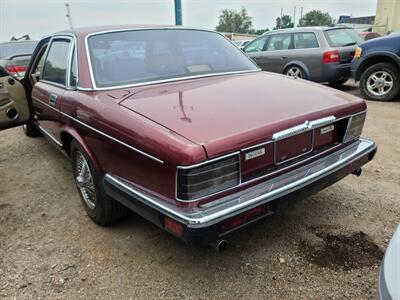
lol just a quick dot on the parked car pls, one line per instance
(320, 54)
(182, 127)
(389, 275)
(366, 36)
(242, 44)
(377, 66)
(15, 56)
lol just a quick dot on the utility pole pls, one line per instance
(178, 12)
(294, 16)
(301, 13)
(280, 23)
(68, 15)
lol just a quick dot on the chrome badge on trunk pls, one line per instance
(255, 153)
(327, 129)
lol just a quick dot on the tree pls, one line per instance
(315, 18)
(233, 21)
(258, 31)
(284, 22)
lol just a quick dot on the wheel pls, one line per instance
(295, 71)
(336, 84)
(30, 130)
(98, 205)
(380, 82)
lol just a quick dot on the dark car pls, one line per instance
(320, 54)
(179, 125)
(15, 56)
(377, 66)
(389, 275)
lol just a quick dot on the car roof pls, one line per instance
(308, 29)
(83, 31)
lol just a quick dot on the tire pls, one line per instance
(30, 130)
(339, 83)
(102, 209)
(377, 75)
(295, 71)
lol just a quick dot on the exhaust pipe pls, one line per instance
(357, 172)
(219, 245)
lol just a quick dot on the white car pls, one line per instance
(242, 44)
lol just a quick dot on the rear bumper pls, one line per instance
(201, 224)
(335, 72)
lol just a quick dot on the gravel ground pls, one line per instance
(326, 246)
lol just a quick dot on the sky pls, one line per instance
(42, 17)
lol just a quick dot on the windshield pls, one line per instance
(140, 56)
(16, 48)
(342, 37)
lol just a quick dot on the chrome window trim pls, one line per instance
(91, 73)
(102, 133)
(71, 39)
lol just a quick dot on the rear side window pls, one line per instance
(55, 67)
(303, 40)
(342, 37)
(279, 42)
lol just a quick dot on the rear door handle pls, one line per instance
(284, 57)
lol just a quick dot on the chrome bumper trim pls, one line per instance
(230, 205)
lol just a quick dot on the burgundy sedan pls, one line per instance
(180, 126)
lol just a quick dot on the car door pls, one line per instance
(276, 53)
(48, 91)
(14, 106)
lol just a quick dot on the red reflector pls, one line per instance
(15, 69)
(330, 57)
(173, 226)
(244, 218)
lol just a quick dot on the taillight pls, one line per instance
(354, 126)
(330, 57)
(205, 179)
(13, 70)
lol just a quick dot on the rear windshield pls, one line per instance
(16, 48)
(342, 37)
(140, 56)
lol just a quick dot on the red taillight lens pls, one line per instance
(330, 57)
(15, 69)
(244, 218)
(173, 226)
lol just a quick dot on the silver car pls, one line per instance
(321, 54)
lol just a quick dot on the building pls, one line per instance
(387, 18)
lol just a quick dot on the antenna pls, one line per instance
(68, 15)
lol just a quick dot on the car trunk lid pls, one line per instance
(227, 113)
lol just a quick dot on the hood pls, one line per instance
(227, 113)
